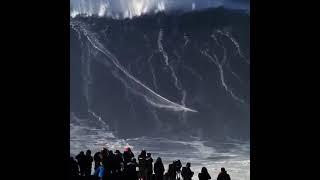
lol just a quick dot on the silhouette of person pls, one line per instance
(81, 158)
(127, 156)
(104, 152)
(186, 172)
(158, 169)
(149, 168)
(74, 168)
(106, 162)
(88, 165)
(130, 173)
(97, 160)
(118, 161)
(100, 172)
(177, 166)
(142, 165)
(223, 175)
(110, 165)
(204, 175)
(171, 172)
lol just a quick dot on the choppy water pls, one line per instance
(233, 155)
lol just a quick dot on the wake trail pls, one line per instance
(154, 79)
(152, 97)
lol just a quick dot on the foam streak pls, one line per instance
(153, 98)
(236, 44)
(220, 67)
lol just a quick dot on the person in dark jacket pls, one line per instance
(104, 153)
(88, 164)
(177, 166)
(97, 160)
(127, 156)
(118, 161)
(171, 174)
(130, 173)
(74, 168)
(204, 175)
(142, 165)
(110, 165)
(186, 172)
(158, 169)
(81, 158)
(149, 167)
(223, 175)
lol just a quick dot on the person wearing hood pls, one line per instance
(204, 175)
(223, 175)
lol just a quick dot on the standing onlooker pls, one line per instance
(223, 175)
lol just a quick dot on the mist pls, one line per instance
(131, 8)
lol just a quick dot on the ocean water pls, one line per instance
(234, 155)
(202, 68)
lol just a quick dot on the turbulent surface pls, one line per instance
(173, 73)
(175, 84)
(231, 154)
(132, 8)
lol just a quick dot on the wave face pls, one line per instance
(162, 75)
(175, 84)
(131, 8)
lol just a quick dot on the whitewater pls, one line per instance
(94, 133)
(232, 154)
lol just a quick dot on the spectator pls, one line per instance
(158, 169)
(74, 168)
(88, 164)
(100, 172)
(118, 161)
(130, 172)
(97, 160)
(81, 158)
(204, 175)
(142, 165)
(186, 172)
(149, 166)
(127, 156)
(223, 175)
(171, 172)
